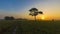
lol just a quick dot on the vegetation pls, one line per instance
(34, 12)
(9, 18)
(29, 27)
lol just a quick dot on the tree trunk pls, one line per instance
(35, 18)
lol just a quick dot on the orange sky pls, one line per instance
(20, 9)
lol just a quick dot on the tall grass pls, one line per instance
(30, 27)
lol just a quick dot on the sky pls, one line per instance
(20, 8)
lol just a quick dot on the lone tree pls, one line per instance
(34, 12)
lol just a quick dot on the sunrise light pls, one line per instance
(43, 17)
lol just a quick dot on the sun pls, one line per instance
(43, 17)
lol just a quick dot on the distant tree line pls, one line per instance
(9, 18)
(13, 18)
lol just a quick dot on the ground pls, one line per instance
(29, 27)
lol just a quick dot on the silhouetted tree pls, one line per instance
(9, 18)
(12, 18)
(34, 12)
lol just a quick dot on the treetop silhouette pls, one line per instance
(34, 12)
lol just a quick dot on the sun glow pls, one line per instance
(43, 17)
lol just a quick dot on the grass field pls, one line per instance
(29, 27)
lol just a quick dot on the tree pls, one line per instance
(9, 18)
(12, 18)
(6, 17)
(34, 12)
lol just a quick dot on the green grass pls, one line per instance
(30, 27)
